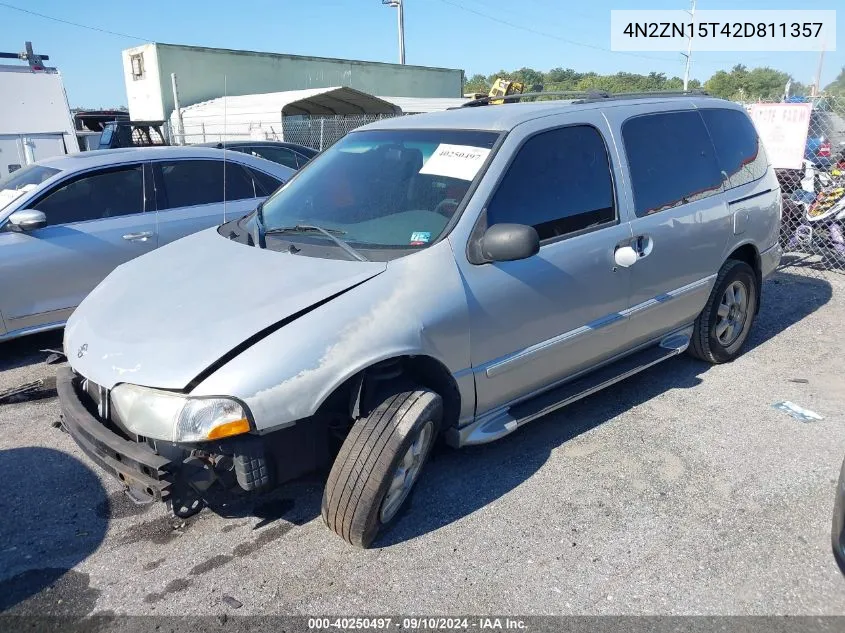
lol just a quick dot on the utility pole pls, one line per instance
(399, 4)
(817, 88)
(689, 48)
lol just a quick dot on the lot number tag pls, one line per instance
(455, 161)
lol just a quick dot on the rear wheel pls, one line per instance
(379, 463)
(723, 326)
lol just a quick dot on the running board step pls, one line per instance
(514, 417)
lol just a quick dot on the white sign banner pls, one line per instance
(455, 161)
(783, 129)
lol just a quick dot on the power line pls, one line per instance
(550, 35)
(700, 62)
(81, 26)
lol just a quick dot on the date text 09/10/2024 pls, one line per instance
(416, 623)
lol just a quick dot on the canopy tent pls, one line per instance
(260, 116)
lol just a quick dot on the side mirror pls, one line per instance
(509, 242)
(28, 219)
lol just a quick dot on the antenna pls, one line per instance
(225, 95)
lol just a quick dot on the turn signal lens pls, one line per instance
(227, 429)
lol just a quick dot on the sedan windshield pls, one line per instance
(19, 182)
(383, 189)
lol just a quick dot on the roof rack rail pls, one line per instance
(655, 93)
(587, 96)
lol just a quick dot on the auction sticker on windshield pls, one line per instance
(455, 161)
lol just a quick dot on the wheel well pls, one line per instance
(423, 370)
(748, 253)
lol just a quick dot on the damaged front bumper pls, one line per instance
(141, 469)
(156, 470)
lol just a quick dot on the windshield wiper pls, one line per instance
(329, 233)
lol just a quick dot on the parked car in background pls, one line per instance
(461, 272)
(132, 134)
(825, 137)
(67, 222)
(89, 125)
(288, 154)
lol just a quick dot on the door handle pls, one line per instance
(141, 236)
(631, 251)
(643, 244)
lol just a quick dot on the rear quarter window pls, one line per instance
(671, 159)
(738, 148)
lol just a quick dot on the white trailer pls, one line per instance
(35, 119)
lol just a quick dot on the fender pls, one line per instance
(286, 376)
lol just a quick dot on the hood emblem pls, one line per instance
(82, 350)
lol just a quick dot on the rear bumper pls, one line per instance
(770, 260)
(134, 464)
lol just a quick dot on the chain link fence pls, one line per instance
(321, 132)
(812, 232)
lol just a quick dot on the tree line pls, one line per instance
(740, 84)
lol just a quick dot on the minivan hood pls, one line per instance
(164, 318)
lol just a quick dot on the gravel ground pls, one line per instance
(679, 491)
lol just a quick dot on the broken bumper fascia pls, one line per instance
(134, 464)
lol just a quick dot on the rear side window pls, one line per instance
(193, 182)
(280, 155)
(671, 159)
(104, 194)
(738, 148)
(265, 182)
(559, 183)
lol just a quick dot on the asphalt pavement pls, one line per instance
(679, 491)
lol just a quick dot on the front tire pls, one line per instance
(723, 326)
(379, 463)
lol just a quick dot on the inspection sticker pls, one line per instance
(419, 238)
(455, 161)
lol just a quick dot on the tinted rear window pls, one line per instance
(738, 148)
(267, 184)
(671, 159)
(193, 182)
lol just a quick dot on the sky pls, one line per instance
(478, 36)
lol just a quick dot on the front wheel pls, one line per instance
(379, 463)
(723, 326)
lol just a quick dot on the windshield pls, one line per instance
(383, 189)
(19, 182)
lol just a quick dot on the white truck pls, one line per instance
(35, 119)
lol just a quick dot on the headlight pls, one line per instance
(171, 416)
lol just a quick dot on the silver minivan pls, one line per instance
(67, 222)
(452, 274)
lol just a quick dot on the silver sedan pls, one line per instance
(67, 222)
